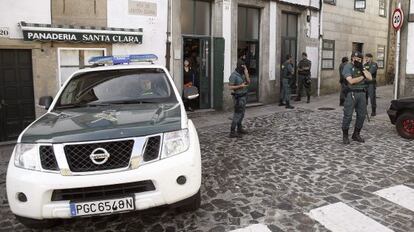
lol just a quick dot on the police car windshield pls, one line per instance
(130, 86)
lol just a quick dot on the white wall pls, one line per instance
(412, 7)
(410, 49)
(14, 11)
(155, 28)
(314, 3)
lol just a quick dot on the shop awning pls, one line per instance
(82, 34)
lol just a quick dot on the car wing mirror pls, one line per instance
(45, 102)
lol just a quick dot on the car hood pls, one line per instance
(401, 104)
(104, 123)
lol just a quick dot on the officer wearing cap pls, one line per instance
(287, 76)
(238, 83)
(372, 67)
(304, 73)
(355, 75)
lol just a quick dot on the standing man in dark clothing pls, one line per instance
(372, 67)
(190, 80)
(238, 83)
(304, 74)
(355, 75)
(342, 81)
(287, 76)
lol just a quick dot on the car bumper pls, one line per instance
(392, 114)
(39, 186)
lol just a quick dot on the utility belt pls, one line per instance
(349, 90)
(238, 95)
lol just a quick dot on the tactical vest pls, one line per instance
(357, 73)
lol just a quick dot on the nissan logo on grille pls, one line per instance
(99, 156)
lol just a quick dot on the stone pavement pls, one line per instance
(290, 164)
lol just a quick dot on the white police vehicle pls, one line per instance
(114, 139)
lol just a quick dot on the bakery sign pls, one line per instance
(48, 32)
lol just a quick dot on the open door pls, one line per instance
(218, 55)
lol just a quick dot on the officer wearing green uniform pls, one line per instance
(355, 75)
(304, 77)
(372, 67)
(238, 83)
(287, 76)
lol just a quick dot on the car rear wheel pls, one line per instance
(37, 224)
(405, 125)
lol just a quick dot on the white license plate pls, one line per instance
(102, 207)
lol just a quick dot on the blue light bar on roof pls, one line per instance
(114, 60)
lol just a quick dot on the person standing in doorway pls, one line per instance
(356, 75)
(287, 76)
(372, 67)
(342, 81)
(189, 81)
(238, 84)
(304, 77)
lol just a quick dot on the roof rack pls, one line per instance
(122, 59)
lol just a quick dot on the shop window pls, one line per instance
(328, 54)
(332, 2)
(360, 5)
(71, 60)
(248, 23)
(381, 56)
(382, 8)
(195, 17)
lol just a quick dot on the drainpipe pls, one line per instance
(320, 46)
(168, 42)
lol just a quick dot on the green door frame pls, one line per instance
(209, 39)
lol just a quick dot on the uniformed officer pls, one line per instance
(342, 81)
(287, 76)
(355, 75)
(304, 73)
(372, 67)
(238, 83)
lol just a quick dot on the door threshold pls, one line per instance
(254, 104)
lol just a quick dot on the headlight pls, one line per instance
(175, 143)
(27, 156)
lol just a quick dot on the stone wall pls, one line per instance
(345, 25)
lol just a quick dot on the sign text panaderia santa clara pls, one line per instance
(30, 35)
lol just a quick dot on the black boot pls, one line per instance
(297, 98)
(281, 104)
(308, 101)
(373, 113)
(288, 106)
(345, 138)
(356, 136)
(233, 134)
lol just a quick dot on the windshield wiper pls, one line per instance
(131, 102)
(81, 105)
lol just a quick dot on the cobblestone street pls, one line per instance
(291, 163)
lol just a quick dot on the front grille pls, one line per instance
(79, 160)
(102, 192)
(47, 158)
(152, 148)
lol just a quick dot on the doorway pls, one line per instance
(197, 52)
(289, 43)
(248, 25)
(16, 92)
(357, 47)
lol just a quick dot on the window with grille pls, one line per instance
(328, 54)
(360, 5)
(332, 2)
(381, 56)
(382, 8)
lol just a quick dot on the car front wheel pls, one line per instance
(405, 125)
(190, 204)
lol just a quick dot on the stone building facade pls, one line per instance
(345, 29)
